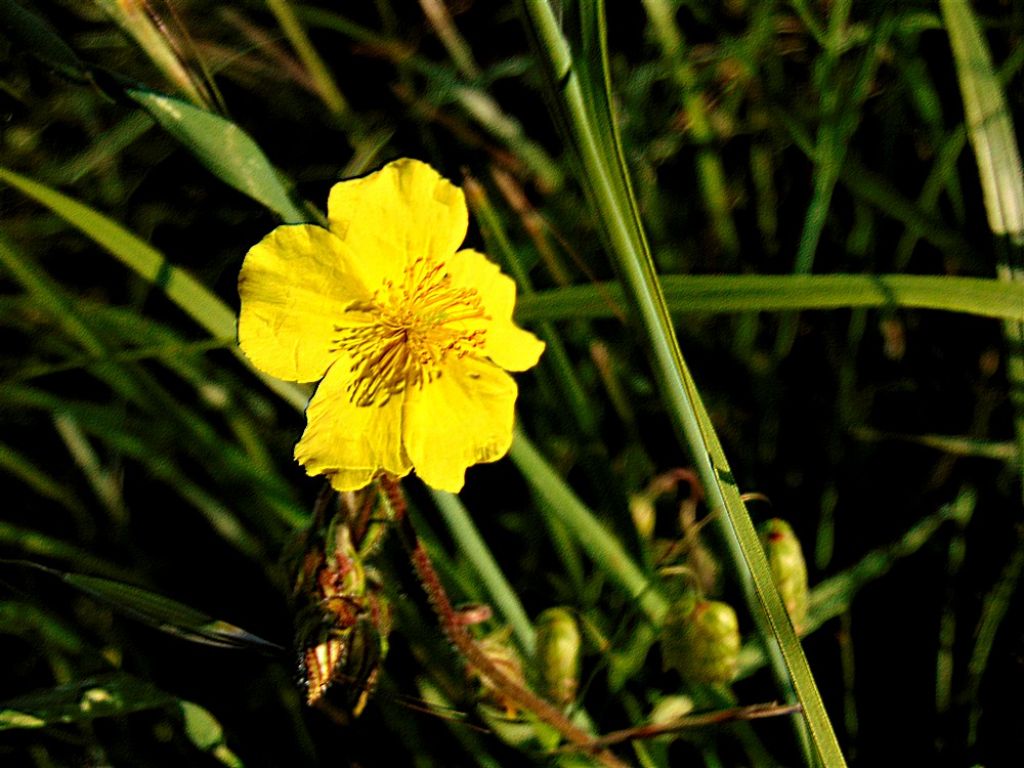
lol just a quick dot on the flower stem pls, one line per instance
(459, 635)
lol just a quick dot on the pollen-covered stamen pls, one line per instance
(401, 337)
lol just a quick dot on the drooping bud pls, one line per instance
(701, 639)
(641, 507)
(342, 618)
(558, 655)
(786, 560)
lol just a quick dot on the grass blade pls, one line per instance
(160, 612)
(195, 299)
(989, 124)
(224, 148)
(37, 36)
(990, 129)
(776, 293)
(109, 695)
(581, 86)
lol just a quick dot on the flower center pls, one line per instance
(400, 338)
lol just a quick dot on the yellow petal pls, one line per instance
(511, 347)
(405, 210)
(471, 269)
(504, 342)
(351, 444)
(461, 418)
(294, 285)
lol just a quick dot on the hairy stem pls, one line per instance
(456, 631)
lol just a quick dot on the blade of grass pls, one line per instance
(136, 385)
(318, 71)
(444, 88)
(605, 549)
(989, 124)
(141, 440)
(710, 170)
(162, 612)
(20, 466)
(583, 101)
(839, 108)
(990, 129)
(444, 25)
(696, 294)
(138, 21)
(36, 544)
(195, 299)
(39, 38)
(103, 482)
(956, 553)
(224, 148)
(114, 694)
(994, 608)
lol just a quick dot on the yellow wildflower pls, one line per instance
(409, 334)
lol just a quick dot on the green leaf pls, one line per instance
(580, 87)
(992, 136)
(108, 695)
(37, 36)
(166, 614)
(194, 298)
(989, 124)
(775, 293)
(36, 544)
(160, 612)
(224, 148)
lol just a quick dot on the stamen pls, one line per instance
(404, 334)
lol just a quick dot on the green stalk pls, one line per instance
(321, 76)
(602, 546)
(587, 117)
(472, 545)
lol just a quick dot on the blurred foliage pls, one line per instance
(786, 139)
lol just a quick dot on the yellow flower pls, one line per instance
(409, 334)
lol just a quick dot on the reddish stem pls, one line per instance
(456, 631)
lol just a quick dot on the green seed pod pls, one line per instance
(669, 709)
(503, 655)
(558, 654)
(789, 570)
(701, 640)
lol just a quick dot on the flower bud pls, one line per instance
(558, 655)
(641, 507)
(701, 640)
(786, 560)
(342, 619)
